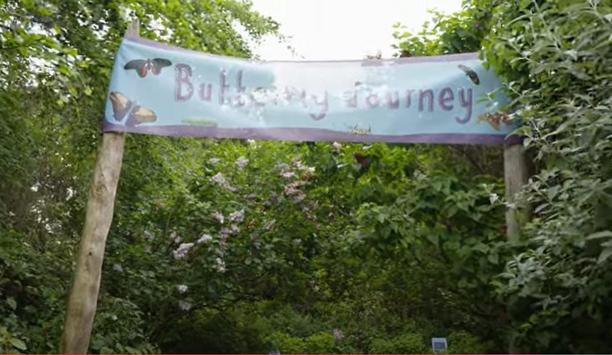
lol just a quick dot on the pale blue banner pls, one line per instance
(165, 90)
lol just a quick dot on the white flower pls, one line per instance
(219, 179)
(148, 235)
(218, 216)
(293, 188)
(338, 334)
(336, 146)
(225, 232)
(242, 162)
(204, 238)
(184, 305)
(237, 216)
(213, 161)
(182, 250)
(282, 166)
(174, 237)
(309, 171)
(118, 268)
(298, 164)
(182, 288)
(493, 198)
(287, 174)
(251, 141)
(220, 265)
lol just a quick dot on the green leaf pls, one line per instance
(605, 254)
(19, 344)
(599, 235)
(12, 303)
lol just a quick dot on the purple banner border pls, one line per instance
(310, 134)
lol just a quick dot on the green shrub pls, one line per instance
(462, 342)
(286, 343)
(119, 328)
(407, 343)
(321, 342)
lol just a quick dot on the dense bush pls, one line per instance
(556, 57)
(409, 343)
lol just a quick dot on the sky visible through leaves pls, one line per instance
(342, 29)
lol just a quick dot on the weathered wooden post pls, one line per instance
(83, 299)
(516, 174)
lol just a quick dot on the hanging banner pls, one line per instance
(165, 90)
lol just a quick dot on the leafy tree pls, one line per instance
(55, 61)
(555, 59)
(556, 56)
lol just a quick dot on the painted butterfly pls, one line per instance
(470, 73)
(495, 119)
(143, 66)
(136, 114)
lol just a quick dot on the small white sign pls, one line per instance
(439, 345)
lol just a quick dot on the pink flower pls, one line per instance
(268, 226)
(237, 216)
(219, 179)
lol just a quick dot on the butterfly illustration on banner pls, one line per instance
(496, 119)
(124, 108)
(470, 73)
(144, 66)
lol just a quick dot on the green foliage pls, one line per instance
(123, 329)
(408, 343)
(55, 61)
(286, 344)
(556, 57)
(229, 246)
(320, 343)
(459, 32)
(462, 342)
(10, 343)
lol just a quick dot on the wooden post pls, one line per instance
(83, 299)
(515, 176)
